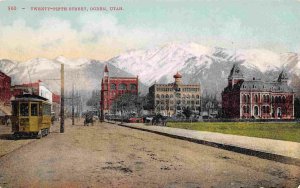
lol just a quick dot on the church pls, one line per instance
(244, 99)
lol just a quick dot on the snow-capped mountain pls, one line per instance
(200, 64)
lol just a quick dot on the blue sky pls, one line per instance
(25, 34)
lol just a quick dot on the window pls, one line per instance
(255, 110)
(46, 109)
(122, 86)
(24, 109)
(167, 96)
(245, 109)
(15, 108)
(133, 87)
(256, 98)
(113, 86)
(162, 96)
(34, 109)
(171, 96)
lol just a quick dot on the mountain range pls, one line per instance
(209, 66)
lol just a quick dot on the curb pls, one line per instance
(237, 149)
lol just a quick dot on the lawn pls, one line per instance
(289, 131)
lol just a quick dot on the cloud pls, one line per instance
(98, 37)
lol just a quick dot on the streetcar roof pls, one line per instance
(30, 97)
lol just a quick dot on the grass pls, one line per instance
(289, 131)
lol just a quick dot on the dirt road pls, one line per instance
(106, 155)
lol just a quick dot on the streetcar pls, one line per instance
(31, 116)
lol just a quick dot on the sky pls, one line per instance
(241, 24)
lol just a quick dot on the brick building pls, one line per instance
(256, 98)
(5, 84)
(112, 87)
(172, 98)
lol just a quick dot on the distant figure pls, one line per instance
(8, 122)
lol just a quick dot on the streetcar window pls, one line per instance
(15, 109)
(47, 109)
(24, 109)
(34, 109)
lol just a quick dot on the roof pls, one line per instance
(236, 72)
(177, 75)
(30, 97)
(105, 68)
(258, 85)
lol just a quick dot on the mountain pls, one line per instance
(198, 64)
(208, 66)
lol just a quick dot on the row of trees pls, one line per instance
(134, 104)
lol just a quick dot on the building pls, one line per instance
(256, 98)
(173, 98)
(56, 105)
(36, 88)
(5, 84)
(112, 87)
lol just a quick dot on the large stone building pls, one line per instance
(112, 87)
(256, 98)
(172, 98)
(5, 83)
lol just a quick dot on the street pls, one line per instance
(107, 155)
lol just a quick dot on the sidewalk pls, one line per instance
(277, 150)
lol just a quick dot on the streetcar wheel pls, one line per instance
(39, 134)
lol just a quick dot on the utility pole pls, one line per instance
(73, 105)
(62, 100)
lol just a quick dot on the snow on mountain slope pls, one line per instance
(152, 64)
(163, 62)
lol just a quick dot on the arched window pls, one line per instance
(162, 96)
(268, 109)
(171, 96)
(248, 98)
(268, 98)
(273, 99)
(157, 96)
(132, 87)
(248, 109)
(193, 96)
(256, 99)
(197, 96)
(113, 86)
(122, 86)
(263, 109)
(256, 110)
(283, 99)
(245, 98)
(167, 96)
(245, 109)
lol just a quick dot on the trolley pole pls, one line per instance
(62, 100)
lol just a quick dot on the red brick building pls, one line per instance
(112, 87)
(5, 83)
(256, 98)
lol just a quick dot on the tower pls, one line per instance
(235, 75)
(104, 101)
(283, 78)
(177, 77)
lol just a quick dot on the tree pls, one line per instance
(94, 100)
(127, 104)
(187, 112)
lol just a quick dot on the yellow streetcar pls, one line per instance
(31, 116)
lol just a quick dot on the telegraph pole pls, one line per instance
(62, 100)
(73, 105)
